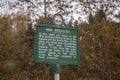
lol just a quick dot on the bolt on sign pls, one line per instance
(55, 45)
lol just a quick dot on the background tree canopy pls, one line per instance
(99, 47)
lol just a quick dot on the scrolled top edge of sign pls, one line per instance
(60, 20)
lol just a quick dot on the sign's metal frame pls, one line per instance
(77, 61)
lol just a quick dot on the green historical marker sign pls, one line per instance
(56, 45)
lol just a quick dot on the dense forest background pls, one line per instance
(99, 47)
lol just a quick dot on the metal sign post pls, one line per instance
(57, 72)
(57, 76)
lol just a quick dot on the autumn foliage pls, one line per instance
(99, 47)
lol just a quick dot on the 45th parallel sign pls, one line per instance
(56, 45)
